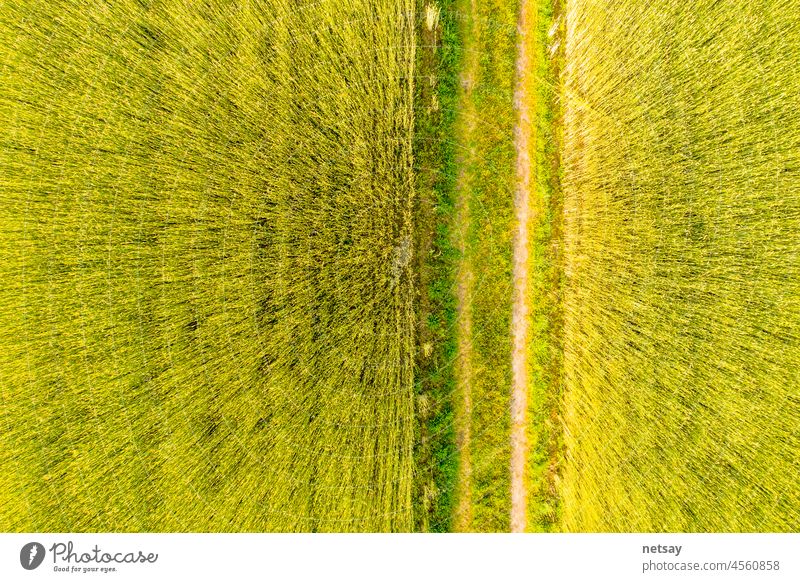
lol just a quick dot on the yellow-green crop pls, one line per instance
(206, 295)
(682, 266)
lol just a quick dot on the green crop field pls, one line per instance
(399, 265)
(206, 297)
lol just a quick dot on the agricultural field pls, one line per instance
(399, 265)
(681, 338)
(206, 307)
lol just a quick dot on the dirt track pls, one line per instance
(520, 321)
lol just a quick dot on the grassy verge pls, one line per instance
(485, 157)
(207, 307)
(544, 402)
(436, 81)
(465, 139)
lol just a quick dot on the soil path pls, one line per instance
(520, 316)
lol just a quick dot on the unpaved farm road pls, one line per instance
(521, 272)
(520, 314)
